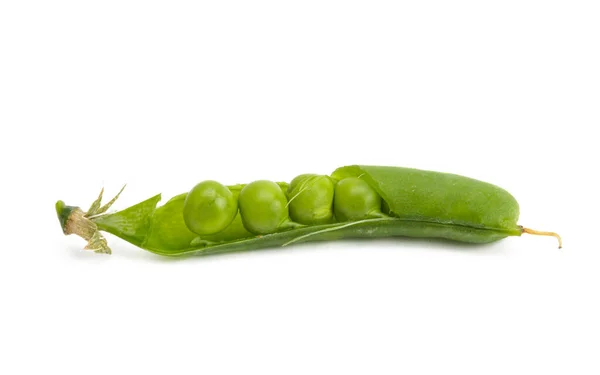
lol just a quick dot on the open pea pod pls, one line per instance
(415, 203)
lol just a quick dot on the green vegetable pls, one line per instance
(415, 203)
(263, 207)
(311, 199)
(209, 208)
(355, 200)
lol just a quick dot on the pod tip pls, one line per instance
(542, 233)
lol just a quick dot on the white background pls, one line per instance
(162, 95)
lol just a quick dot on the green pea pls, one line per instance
(355, 199)
(209, 208)
(263, 207)
(311, 199)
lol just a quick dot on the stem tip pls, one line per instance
(542, 233)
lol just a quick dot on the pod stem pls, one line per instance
(542, 233)
(74, 220)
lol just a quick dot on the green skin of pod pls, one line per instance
(356, 200)
(446, 198)
(263, 207)
(420, 204)
(209, 208)
(311, 199)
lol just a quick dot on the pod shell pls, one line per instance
(420, 195)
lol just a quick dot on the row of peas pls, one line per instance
(210, 207)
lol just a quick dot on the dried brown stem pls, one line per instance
(542, 233)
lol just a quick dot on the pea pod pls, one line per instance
(371, 202)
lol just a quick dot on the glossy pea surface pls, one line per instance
(263, 207)
(355, 200)
(209, 208)
(311, 199)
